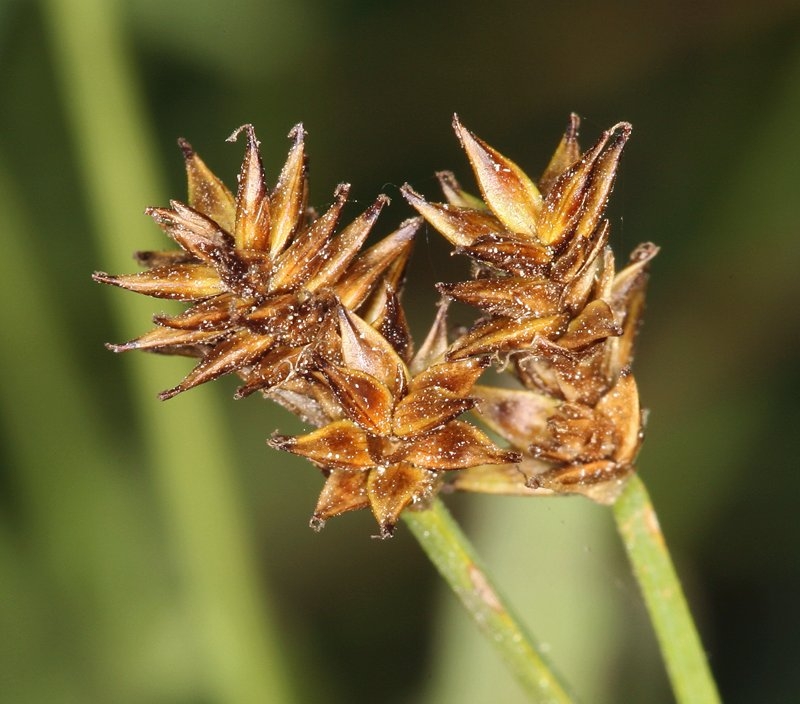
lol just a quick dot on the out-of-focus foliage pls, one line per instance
(97, 599)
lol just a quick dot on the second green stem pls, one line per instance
(680, 644)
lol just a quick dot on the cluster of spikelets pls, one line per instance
(287, 300)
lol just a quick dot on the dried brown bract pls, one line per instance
(263, 276)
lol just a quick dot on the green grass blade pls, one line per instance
(184, 442)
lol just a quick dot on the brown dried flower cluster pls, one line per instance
(301, 314)
(399, 431)
(555, 310)
(264, 276)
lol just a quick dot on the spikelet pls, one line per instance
(264, 278)
(554, 308)
(399, 432)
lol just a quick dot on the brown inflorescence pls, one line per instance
(264, 276)
(301, 314)
(399, 430)
(557, 314)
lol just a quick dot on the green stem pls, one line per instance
(240, 660)
(448, 549)
(680, 644)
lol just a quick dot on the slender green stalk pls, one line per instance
(184, 443)
(680, 644)
(448, 549)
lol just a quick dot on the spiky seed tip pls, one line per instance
(186, 148)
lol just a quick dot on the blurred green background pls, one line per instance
(159, 552)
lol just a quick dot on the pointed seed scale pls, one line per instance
(286, 202)
(340, 251)
(252, 226)
(510, 194)
(207, 194)
(566, 154)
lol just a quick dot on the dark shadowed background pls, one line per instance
(160, 553)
